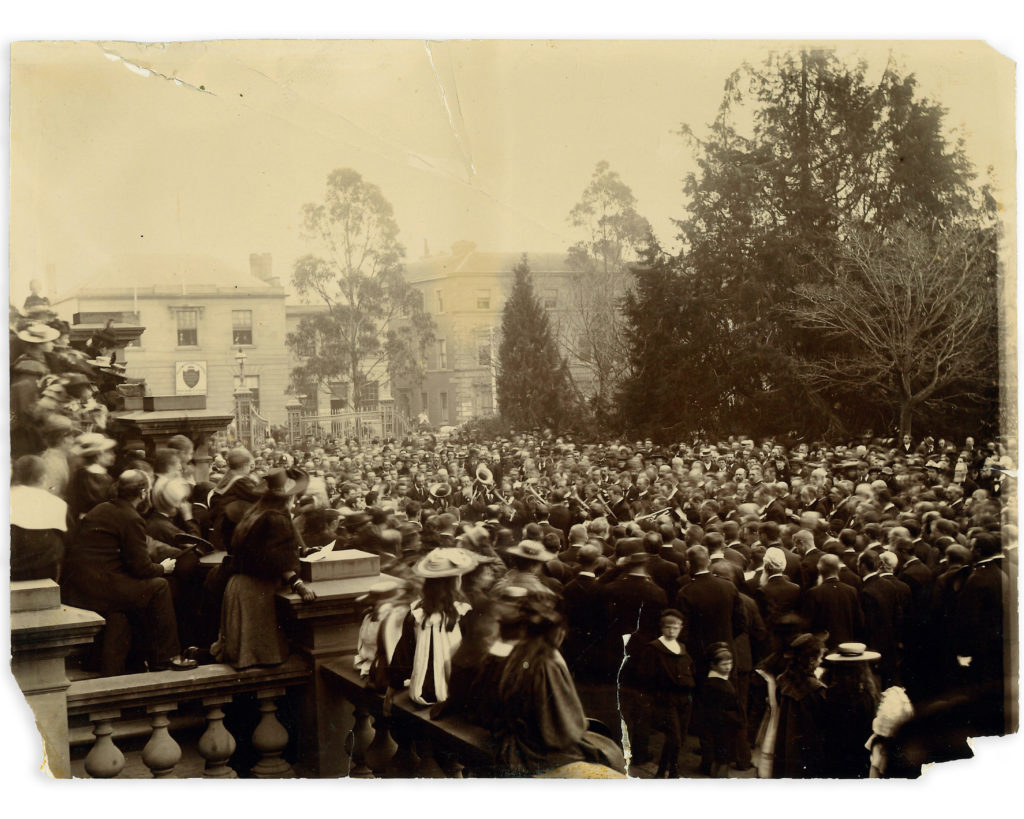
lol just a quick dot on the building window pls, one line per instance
(241, 326)
(483, 350)
(440, 301)
(339, 395)
(253, 383)
(188, 328)
(442, 354)
(550, 299)
(444, 406)
(368, 395)
(483, 299)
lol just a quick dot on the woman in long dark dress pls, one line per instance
(266, 547)
(851, 702)
(800, 751)
(540, 724)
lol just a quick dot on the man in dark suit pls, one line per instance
(632, 604)
(108, 570)
(542, 511)
(883, 617)
(770, 535)
(810, 554)
(981, 649)
(832, 606)
(720, 565)
(663, 572)
(560, 515)
(920, 654)
(583, 613)
(778, 595)
(713, 613)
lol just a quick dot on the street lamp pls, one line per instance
(240, 358)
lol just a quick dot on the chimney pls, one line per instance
(261, 266)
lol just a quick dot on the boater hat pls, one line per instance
(852, 652)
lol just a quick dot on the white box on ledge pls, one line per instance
(338, 565)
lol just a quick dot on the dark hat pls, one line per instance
(285, 483)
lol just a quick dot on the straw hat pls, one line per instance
(852, 653)
(38, 333)
(91, 443)
(531, 550)
(446, 562)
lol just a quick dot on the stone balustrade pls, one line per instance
(408, 743)
(104, 701)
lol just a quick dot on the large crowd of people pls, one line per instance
(805, 608)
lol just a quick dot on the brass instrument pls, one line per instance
(656, 514)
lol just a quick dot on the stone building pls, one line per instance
(464, 291)
(198, 313)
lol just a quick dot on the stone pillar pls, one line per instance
(294, 408)
(42, 633)
(324, 630)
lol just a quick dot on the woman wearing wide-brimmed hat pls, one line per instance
(431, 633)
(265, 549)
(91, 483)
(850, 705)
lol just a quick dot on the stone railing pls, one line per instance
(107, 701)
(100, 713)
(408, 743)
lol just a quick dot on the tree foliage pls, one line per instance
(614, 237)
(374, 324)
(532, 377)
(907, 318)
(804, 153)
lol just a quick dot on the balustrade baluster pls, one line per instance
(361, 737)
(404, 761)
(161, 753)
(216, 745)
(104, 759)
(383, 747)
(270, 739)
(428, 767)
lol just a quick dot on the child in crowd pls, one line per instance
(723, 715)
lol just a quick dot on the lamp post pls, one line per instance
(243, 402)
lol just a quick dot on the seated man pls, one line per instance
(108, 570)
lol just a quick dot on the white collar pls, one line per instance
(867, 577)
(671, 645)
(989, 559)
(586, 574)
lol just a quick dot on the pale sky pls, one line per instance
(491, 141)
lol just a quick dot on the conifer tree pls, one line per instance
(533, 378)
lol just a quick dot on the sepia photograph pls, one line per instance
(512, 408)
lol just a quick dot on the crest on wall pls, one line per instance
(190, 378)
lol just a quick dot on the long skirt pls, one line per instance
(249, 631)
